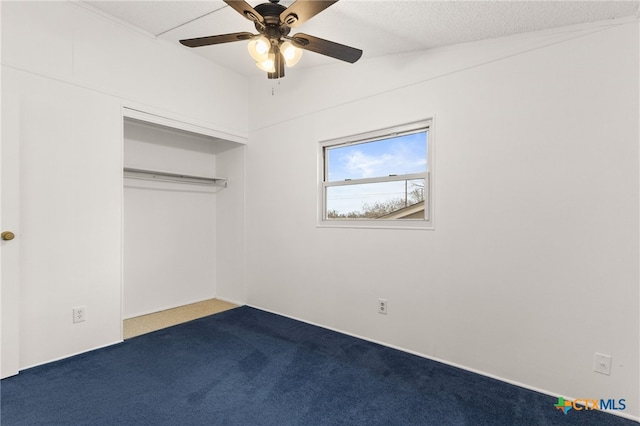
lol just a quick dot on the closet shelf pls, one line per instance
(173, 177)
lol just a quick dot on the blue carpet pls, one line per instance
(249, 367)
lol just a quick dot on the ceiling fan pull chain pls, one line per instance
(273, 89)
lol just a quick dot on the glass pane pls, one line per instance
(393, 156)
(402, 199)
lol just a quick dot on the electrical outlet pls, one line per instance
(602, 364)
(383, 306)
(79, 314)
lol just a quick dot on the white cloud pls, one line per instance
(399, 160)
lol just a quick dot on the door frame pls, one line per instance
(10, 221)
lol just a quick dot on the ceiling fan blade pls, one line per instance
(244, 9)
(303, 10)
(326, 47)
(216, 39)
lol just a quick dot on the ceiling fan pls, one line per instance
(272, 47)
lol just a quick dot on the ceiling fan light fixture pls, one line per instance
(268, 64)
(259, 48)
(290, 53)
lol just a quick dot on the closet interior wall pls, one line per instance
(169, 254)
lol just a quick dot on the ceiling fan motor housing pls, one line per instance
(272, 27)
(270, 12)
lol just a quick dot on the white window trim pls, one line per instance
(422, 224)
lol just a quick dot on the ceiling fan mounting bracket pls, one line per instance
(249, 15)
(301, 42)
(291, 19)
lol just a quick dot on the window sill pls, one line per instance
(421, 225)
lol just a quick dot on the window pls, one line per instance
(379, 179)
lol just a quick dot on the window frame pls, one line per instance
(385, 133)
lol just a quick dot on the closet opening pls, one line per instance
(174, 198)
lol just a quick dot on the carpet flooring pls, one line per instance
(249, 367)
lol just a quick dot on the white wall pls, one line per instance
(169, 256)
(533, 263)
(70, 215)
(63, 41)
(66, 75)
(230, 223)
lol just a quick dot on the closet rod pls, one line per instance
(172, 177)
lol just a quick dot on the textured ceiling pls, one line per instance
(377, 27)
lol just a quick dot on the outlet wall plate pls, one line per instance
(383, 306)
(602, 364)
(79, 314)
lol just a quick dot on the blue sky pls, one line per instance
(393, 156)
(399, 155)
